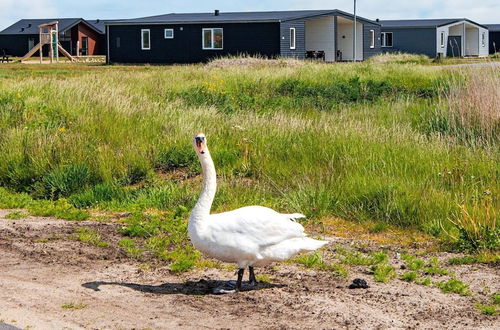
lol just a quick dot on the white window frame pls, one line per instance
(383, 41)
(293, 38)
(442, 39)
(165, 33)
(142, 39)
(212, 37)
(372, 38)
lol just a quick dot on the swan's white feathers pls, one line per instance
(252, 235)
(261, 225)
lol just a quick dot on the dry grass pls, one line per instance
(400, 58)
(254, 62)
(474, 106)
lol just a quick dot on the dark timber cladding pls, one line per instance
(263, 33)
(414, 40)
(186, 45)
(494, 36)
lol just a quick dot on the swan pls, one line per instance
(249, 236)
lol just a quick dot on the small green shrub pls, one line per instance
(467, 260)
(433, 268)
(413, 263)
(454, 286)
(496, 298)
(486, 309)
(60, 209)
(424, 281)
(383, 273)
(86, 235)
(63, 181)
(409, 276)
(16, 215)
(313, 260)
(74, 306)
(9, 200)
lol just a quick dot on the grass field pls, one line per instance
(391, 142)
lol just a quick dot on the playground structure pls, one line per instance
(49, 35)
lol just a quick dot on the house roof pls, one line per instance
(493, 27)
(232, 17)
(423, 23)
(30, 26)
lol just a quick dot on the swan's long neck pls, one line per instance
(202, 207)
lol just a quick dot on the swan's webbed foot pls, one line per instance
(230, 286)
(252, 280)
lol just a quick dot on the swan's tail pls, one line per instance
(291, 247)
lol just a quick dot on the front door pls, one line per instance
(85, 46)
(454, 46)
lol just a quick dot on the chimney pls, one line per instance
(29, 25)
(377, 20)
(97, 20)
(22, 29)
(216, 12)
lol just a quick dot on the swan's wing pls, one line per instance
(260, 225)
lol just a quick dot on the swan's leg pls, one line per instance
(240, 278)
(230, 286)
(251, 278)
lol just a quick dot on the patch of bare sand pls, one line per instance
(42, 269)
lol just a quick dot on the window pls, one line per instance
(372, 38)
(386, 39)
(483, 39)
(442, 39)
(145, 39)
(118, 42)
(169, 33)
(292, 38)
(213, 38)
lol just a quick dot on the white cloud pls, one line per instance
(13, 10)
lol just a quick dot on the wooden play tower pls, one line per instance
(49, 35)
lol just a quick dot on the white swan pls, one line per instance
(249, 236)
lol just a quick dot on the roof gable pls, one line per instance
(231, 17)
(423, 23)
(30, 26)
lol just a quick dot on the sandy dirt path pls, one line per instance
(42, 269)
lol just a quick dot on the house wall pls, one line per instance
(494, 41)
(376, 50)
(320, 35)
(413, 41)
(300, 36)
(95, 44)
(345, 38)
(186, 46)
(16, 45)
(471, 41)
(483, 48)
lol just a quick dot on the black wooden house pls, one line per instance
(198, 37)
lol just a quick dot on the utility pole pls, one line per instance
(354, 34)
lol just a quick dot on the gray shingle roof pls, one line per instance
(229, 17)
(30, 26)
(422, 23)
(493, 27)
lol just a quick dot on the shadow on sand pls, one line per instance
(202, 287)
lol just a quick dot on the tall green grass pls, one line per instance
(351, 140)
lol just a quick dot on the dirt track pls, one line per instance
(42, 269)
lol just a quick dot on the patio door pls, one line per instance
(31, 43)
(454, 46)
(85, 46)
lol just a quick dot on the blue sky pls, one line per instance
(484, 11)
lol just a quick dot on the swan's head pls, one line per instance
(200, 143)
